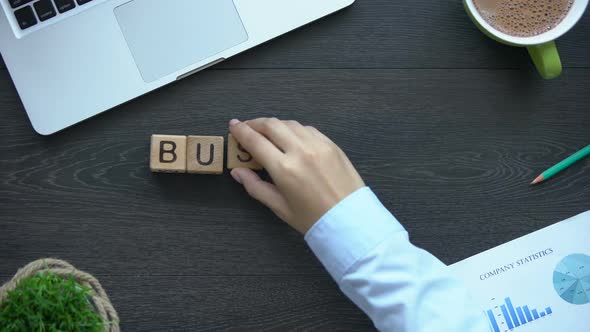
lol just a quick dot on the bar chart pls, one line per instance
(506, 316)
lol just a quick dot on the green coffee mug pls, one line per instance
(541, 47)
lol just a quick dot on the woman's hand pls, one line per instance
(310, 173)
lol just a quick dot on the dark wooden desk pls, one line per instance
(447, 126)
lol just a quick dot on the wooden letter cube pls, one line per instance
(204, 154)
(238, 157)
(168, 154)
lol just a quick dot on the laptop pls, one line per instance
(73, 59)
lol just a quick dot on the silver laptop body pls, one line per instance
(73, 59)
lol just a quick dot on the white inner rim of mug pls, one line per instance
(572, 17)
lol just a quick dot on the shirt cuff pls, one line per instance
(350, 230)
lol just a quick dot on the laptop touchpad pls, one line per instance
(166, 36)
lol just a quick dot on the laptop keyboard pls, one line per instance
(30, 12)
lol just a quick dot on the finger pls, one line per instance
(277, 132)
(298, 129)
(262, 191)
(263, 150)
(318, 134)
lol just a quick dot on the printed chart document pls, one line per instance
(539, 282)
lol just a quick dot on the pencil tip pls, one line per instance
(538, 179)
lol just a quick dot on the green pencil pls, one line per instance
(562, 165)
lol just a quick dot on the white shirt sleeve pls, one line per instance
(399, 286)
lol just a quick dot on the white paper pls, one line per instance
(533, 270)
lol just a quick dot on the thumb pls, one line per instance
(262, 191)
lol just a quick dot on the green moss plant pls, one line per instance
(48, 303)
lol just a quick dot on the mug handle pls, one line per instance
(546, 59)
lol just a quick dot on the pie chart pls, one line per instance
(571, 279)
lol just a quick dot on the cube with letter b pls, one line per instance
(168, 154)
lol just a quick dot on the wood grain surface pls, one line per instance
(446, 126)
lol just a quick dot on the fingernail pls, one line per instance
(233, 122)
(236, 176)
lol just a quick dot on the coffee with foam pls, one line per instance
(523, 18)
